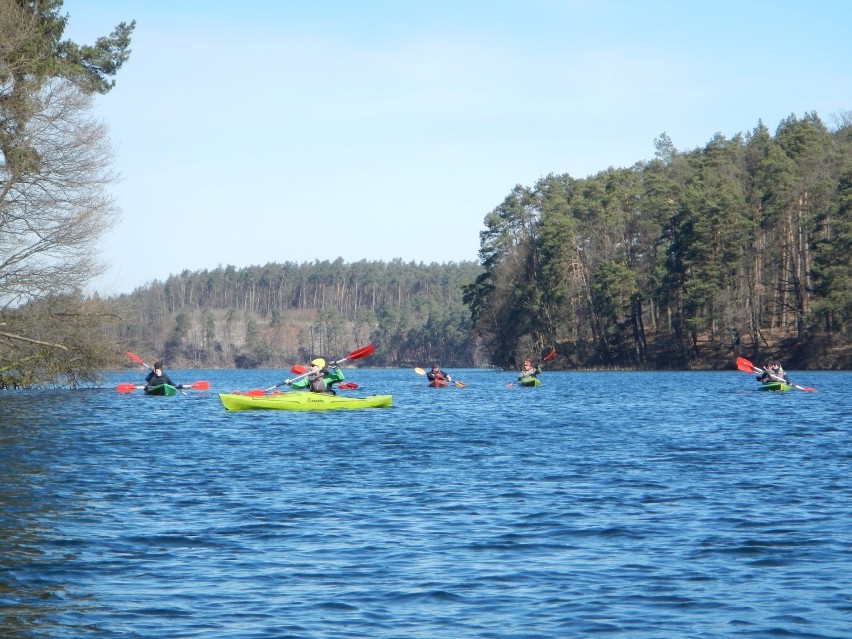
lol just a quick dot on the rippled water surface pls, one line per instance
(600, 504)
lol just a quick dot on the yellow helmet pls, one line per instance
(319, 361)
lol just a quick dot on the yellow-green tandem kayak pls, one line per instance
(303, 400)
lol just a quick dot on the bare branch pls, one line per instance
(32, 341)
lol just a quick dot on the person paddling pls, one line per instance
(157, 377)
(773, 372)
(320, 379)
(436, 376)
(529, 373)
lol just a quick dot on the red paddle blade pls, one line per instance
(202, 385)
(298, 370)
(550, 355)
(347, 386)
(746, 366)
(135, 358)
(125, 388)
(361, 352)
(254, 392)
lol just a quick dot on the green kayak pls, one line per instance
(529, 381)
(302, 400)
(162, 389)
(775, 386)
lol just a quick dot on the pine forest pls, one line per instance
(685, 261)
(688, 260)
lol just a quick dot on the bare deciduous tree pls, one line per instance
(51, 217)
(55, 161)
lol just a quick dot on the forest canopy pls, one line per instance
(687, 260)
(741, 247)
(281, 313)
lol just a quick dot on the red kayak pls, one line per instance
(438, 383)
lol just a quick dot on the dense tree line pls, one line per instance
(742, 246)
(281, 313)
(687, 260)
(739, 247)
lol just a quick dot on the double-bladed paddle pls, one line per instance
(356, 354)
(296, 369)
(747, 367)
(129, 388)
(420, 371)
(138, 360)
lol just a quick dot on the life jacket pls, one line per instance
(316, 383)
(323, 380)
(529, 374)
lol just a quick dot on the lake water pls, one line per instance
(600, 504)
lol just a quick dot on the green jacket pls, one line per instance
(321, 381)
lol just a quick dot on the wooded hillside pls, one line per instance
(688, 260)
(282, 313)
(741, 247)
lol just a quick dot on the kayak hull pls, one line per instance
(775, 386)
(162, 390)
(300, 401)
(529, 382)
(438, 383)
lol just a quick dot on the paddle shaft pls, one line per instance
(356, 354)
(420, 371)
(778, 378)
(127, 387)
(742, 361)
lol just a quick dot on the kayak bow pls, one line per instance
(166, 390)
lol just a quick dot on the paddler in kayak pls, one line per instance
(157, 377)
(320, 379)
(529, 374)
(436, 376)
(773, 372)
(765, 376)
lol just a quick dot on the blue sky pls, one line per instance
(271, 131)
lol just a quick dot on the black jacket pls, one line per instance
(157, 380)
